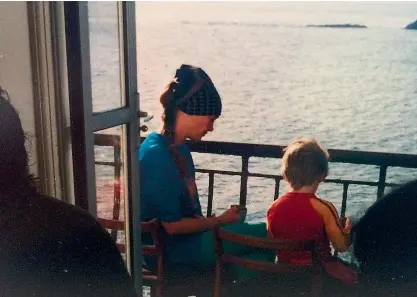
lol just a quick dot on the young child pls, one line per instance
(300, 215)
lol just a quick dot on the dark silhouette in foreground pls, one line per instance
(48, 248)
(385, 244)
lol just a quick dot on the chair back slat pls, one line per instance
(146, 227)
(149, 227)
(265, 266)
(153, 227)
(149, 250)
(264, 243)
(112, 224)
(121, 247)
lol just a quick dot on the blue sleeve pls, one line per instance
(161, 184)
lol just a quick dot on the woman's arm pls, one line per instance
(193, 225)
(163, 187)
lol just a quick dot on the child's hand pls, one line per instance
(348, 225)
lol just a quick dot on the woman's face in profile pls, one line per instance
(199, 126)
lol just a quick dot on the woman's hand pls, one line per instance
(200, 223)
(230, 216)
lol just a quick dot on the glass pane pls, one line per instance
(110, 177)
(105, 55)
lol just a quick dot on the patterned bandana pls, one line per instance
(195, 93)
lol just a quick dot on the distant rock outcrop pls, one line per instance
(355, 26)
(412, 26)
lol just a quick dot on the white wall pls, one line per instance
(15, 68)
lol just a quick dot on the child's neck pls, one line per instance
(306, 189)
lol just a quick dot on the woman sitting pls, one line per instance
(167, 181)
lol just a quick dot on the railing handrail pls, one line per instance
(276, 151)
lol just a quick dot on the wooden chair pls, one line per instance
(154, 281)
(156, 250)
(314, 271)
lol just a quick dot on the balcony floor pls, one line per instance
(263, 286)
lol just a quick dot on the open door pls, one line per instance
(103, 96)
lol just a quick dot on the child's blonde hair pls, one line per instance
(305, 161)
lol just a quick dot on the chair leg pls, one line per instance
(217, 280)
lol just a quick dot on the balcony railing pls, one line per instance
(246, 151)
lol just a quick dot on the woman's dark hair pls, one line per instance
(385, 240)
(168, 119)
(14, 170)
(192, 92)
